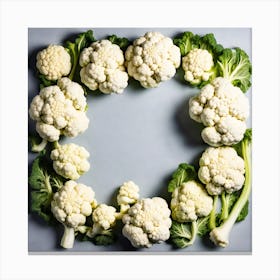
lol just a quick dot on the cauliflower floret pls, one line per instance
(147, 222)
(128, 194)
(103, 67)
(223, 109)
(221, 169)
(197, 65)
(152, 59)
(70, 206)
(70, 161)
(54, 62)
(60, 110)
(190, 201)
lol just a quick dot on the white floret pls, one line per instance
(104, 216)
(54, 62)
(128, 194)
(189, 202)
(147, 222)
(221, 169)
(197, 65)
(60, 110)
(103, 67)
(223, 109)
(153, 58)
(73, 203)
(70, 161)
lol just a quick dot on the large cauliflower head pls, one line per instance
(223, 109)
(190, 201)
(197, 65)
(70, 161)
(221, 169)
(54, 62)
(73, 203)
(153, 58)
(147, 222)
(103, 67)
(60, 110)
(128, 194)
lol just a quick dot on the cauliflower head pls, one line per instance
(128, 194)
(60, 110)
(54, 62)
(105, 216)
(147, 222)
(103, 67)
(73, 203)
(223, 109)
(70, 161)
(197, 65)
(153, 58)
(221, 169)
(190, 201)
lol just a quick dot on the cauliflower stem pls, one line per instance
(68, 238)
(220, 235)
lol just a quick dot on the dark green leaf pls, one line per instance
(106, 238)
(244, 212)
(180, 230)
(203, 226)
(123, 43)
(185, 42)
(44, 82)
(184, 173)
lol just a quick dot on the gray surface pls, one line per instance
(141, 135)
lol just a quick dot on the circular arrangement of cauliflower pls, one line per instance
(147, 222)
(70, 160)
(223, 109)
(221, 169)
(152, 59)
(73, 203)
(54, 62)
(103, 67)
(197, 65)
(190, 201)
(60, 110)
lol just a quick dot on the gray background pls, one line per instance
(140, 135)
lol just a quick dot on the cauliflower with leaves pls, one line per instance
(147, 222)
(103, 67)
(60, 110)
(54, 62)
(223, 109)
(221, 169)
(152, 58)
(70, 160)
(70, 206)
(190, 201)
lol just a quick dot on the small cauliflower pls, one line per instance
(197, 65)
(153, 58)
(221, 169)
(147, 222)
(54, 62)
(223, 109)
(103, 67)
(190, 201)
(60, 110)
(70, 160)
(70, 206)
(128, 194)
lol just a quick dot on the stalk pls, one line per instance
(68, 238)
(224, 214)
(220, 235)
(39, 147)
(212, 218)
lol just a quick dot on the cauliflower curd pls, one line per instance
(197, 65)
(153, 58)
(221, 169)
(223, 109)
(54, 62)
(147, 222)
(70, 161)
(190, 201)
(103, 67)
(60, 110)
